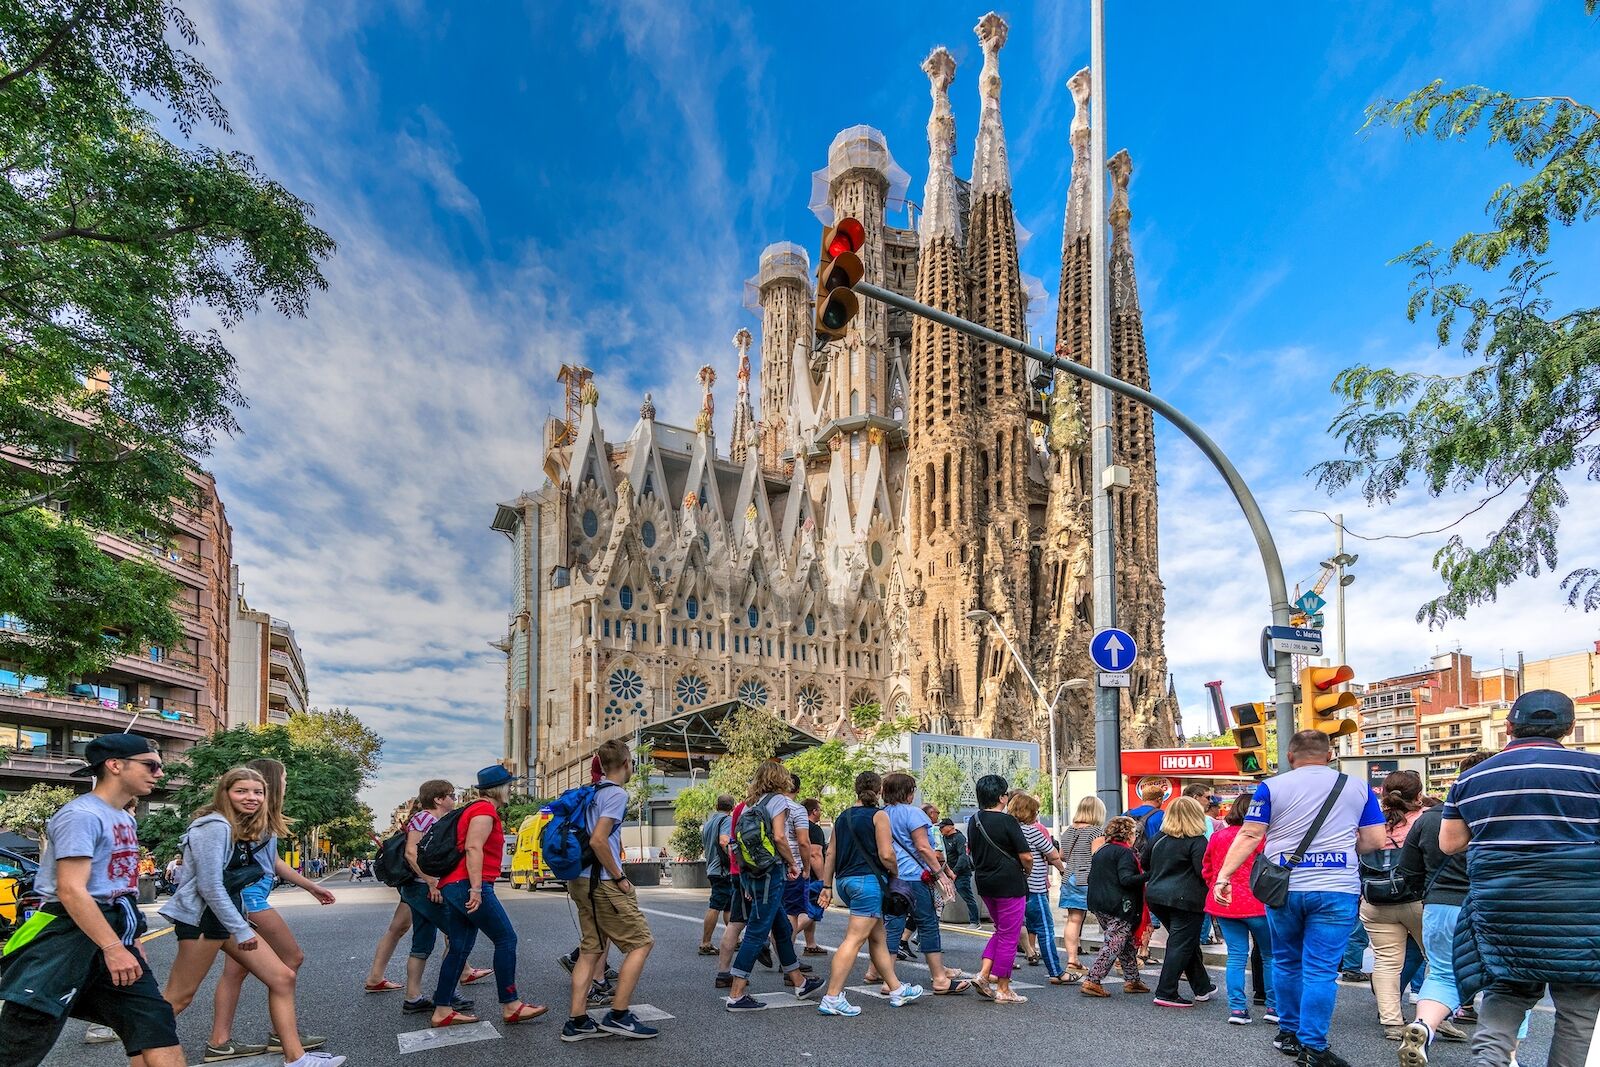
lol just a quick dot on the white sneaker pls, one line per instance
(904, 995)
(316, 1059)
(98, 1035)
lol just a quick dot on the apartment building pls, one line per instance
(172, 695)
(266, 672)
(1450, 735)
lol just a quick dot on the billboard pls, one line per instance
(976, 756)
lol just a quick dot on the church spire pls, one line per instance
(1124, 288)
(990, 171)
(742, 417)
(941, 214)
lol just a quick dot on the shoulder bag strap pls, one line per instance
(1299, 854)
(871, 854)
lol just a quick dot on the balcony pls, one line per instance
(187, 566)
(40, 765)
(35, 706)
(290, 695)
(175, 667)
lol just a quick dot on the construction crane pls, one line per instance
(1300, 618)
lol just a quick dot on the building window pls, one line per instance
(691, 607)
(647, 534)
(863, 633)
(156, 653)
(752, 616)
(625, 597)
(855, 402)
(691, 691)
(591, 523)
(877, 553)
(811, 626)
(810, 700)
(753, 693)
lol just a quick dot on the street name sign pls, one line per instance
(1299, 640)
(1115, 679)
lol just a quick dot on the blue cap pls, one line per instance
(493, 776)
(1542, 707)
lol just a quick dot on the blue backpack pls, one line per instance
(564, 841)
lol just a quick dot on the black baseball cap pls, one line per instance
(111, 746)
(946, 822)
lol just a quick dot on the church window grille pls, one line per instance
(647, 534)
(691, 607)
(591, 523)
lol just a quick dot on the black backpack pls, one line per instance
(391, 866)
(437, 852)
(1141, 828)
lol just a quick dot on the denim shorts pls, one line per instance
(1073, 897)
(255, 895)
(721, 892)
(862, 894)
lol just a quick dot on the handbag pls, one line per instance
(896, 899)
(1270, 881)
(1384, 882)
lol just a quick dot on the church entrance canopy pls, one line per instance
(691, 740)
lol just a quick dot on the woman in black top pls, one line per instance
(1000, 859)
(1176, 893)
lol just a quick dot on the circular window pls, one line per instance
(877, 553)
(625, 597)
(625, 683)
(752, 616)
(752, 693)
(810, 699)
(811, 625)
(647, 534)
(591, 523)
(691, 691)
(691, 607)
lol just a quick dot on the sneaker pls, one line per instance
(1270, 1015)
(1172, 1002)
(1449, 1031)
(1466, 1014)
(1135, 986)
(1287, 1043)
(1322, 1057)
(904, 995)
(600, 998)
(317, 1059)
(1201, 998)
(830, 1005)
(1354, 978)
(811, 985)
(804, 968)
(581, 1030)
(611, 974)
(567, 961)
(307, 1042)
(1239, 1018)
(1393, 1033)
(1093, 989)
(746, 1003)
(1414, 1046)
(98, 1035)
(235, 1050)
(626, 1024)
(724, 980)
(1411, 995)
(905, 954)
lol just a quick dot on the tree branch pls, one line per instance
(50, 48)
(64, 232)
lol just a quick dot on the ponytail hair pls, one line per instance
(869, 789)
(1402, 795)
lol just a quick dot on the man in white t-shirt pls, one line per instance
(1310, 930)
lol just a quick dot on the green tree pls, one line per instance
(694, 804)
(828, 771)
(340, 730)
(685, 842)
(1520, 420)
(117, 247)
(940, 782)
(27, 812)
(752, 737)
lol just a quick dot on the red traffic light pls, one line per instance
(1325, 678)
(837, 274)
(848, 236)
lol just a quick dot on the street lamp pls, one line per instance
(980, 616)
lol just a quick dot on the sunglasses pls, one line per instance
(154, 765)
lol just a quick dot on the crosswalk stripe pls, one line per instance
(422, 1040)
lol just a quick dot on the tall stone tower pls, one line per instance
(998, 301)
(781, 289)
(942, 521)
(743, 420)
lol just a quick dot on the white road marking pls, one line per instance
(422, 1040)
(646, 1013)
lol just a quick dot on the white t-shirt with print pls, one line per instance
(1288, 804)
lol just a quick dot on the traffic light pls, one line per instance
(837, 272)
(1321, 704)
(1250, 736)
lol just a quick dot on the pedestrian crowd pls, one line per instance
(1481, 905)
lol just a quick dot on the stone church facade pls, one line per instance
(875, 490)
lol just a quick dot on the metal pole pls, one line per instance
(1107, 720)
(1338, 522)
(1055, 779)
(1277, 588)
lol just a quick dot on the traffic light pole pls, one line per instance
(1277, 589)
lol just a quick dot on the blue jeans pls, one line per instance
(461, 930)
(1415, 968)
(1309, 935)
(968, 897)
(1237, 933)
(427, 918)
(1355, 949)
(765, 895)
(1439, 941)
(1040, 920)
(922, 916)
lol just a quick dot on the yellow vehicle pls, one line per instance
(528, 870)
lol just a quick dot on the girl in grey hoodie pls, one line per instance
(220, 853)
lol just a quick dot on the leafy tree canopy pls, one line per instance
(940, 783)
(27, 812)
(117, 247)
(1520, 421)
(340, 730)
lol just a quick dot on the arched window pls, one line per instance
(855, 402)
(691, 607)
(625, 597)
(752, 616)
(647, 534)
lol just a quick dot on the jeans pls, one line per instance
(1505, 1004)
(1238, 934)
(765, 895)
(968, 897)
(1182, 956)
(1040, 919)
(921, 918)
(427, 918)
(1355, 950)
(1309, 934)
(1438, 941)
(461, 930)
(1001, 948)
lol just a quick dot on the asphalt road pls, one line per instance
(1058, 1025)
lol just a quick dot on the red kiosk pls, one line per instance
(1180, 767)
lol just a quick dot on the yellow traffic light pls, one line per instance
(838, 270)
(1322, 705)
(1250, 736)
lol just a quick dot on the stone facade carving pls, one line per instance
(897, 479)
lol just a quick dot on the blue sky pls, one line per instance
(514, 187)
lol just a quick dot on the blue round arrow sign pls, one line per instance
(1113, 650)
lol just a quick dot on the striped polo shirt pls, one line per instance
(1535, 793)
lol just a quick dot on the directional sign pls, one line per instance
(1113, 650)
(1310, 603)
(1302, 640)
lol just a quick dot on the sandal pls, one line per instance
(1034, 961)
(708, 950)
(384, 986)
(1066, 979)
(1010, 998)
(524, 1013)
(814, 950)
(476, 974)
(455, 1018)
(954, 989)
(984, 989)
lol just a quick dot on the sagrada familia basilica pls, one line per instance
(874, 491)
